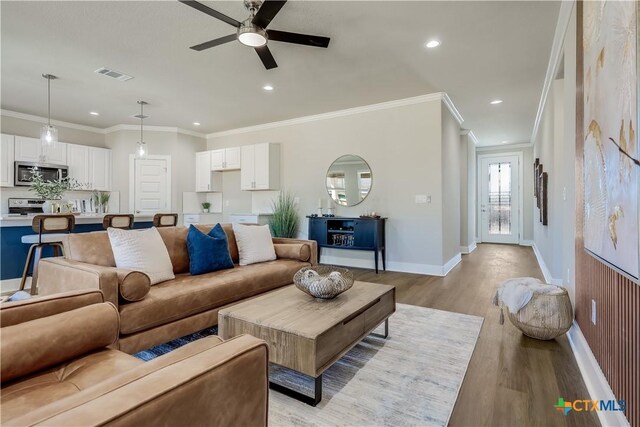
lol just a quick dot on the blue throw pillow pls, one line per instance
(208, 252)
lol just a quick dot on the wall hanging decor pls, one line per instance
(611, 175)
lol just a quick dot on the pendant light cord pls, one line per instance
(141, 120)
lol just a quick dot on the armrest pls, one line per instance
(313, 247)
(13, 313)
(61, 275)
(175, 389)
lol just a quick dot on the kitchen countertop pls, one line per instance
(26, 220)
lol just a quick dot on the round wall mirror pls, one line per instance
(349, 180)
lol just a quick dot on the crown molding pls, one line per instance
(557, 51)
(470, 134)
(437, 96)
(125, 127)
(504, 146)
(103, 131)
(43, 120)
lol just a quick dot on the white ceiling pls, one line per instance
(489, 50)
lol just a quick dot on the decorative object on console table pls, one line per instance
(51, 191)
(364, 234)
(101, 200)
(323, 281)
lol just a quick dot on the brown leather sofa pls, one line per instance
(57, 369)
(172, 309)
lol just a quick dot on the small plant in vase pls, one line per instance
(205, 207)
(51, 191)
(101, 200)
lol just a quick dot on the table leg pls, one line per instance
(386, 330)
(309, 400)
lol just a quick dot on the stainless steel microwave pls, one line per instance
(24, 172)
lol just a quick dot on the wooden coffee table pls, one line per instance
(306, 334)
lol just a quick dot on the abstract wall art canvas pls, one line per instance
(611, 178)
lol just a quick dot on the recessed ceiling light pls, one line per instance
(196, 123)
(267, 88)
(496, 102)
(94, 113)
(504, 142)
(432, 43)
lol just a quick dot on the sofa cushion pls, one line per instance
(255, 243)
(142, 250)
(132, 285)
(92, 248)
(297, 251)
(37, 344)
(187, 295)
(208, 252)
(27, 394)
(175, 239)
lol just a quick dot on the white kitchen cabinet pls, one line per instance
(99, 169)
(31, 150)
(206, 180)
(260, 167)
(78, 163)
(225, 159)
(7, 157)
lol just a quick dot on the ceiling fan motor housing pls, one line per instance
(251, 35)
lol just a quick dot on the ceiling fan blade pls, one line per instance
(305, 39)
(267, 58)
(267, 11)
(206, 9)
(215, 42)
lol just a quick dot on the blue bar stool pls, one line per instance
(51, 229)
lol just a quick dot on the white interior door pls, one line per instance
(152, 185)
(500, 199)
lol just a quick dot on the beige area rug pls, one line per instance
(411, 378)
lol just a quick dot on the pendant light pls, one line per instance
(48, 133)
(141, 150)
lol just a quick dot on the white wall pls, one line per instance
(403, 146)
(451, 185)
(467, 193)
(180, 147)
(555, 147)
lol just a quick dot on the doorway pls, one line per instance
(150, 184)
(500, 204)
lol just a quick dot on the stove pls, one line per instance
(23, 206)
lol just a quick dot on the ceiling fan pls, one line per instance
(253, 31)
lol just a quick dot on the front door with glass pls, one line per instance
(499, 199)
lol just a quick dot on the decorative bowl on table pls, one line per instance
(323, 281)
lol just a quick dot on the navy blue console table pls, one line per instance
(362, 234)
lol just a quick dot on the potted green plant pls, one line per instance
(205, 207)
(51, 191)
(101, 200)
(284, 221)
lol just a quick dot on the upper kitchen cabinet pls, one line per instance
(99, 168)
(7, 157)
(260, 167)
(225, 159)
(78, 163)
(31, 150)
(206, 180)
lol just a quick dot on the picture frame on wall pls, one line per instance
(611, 176)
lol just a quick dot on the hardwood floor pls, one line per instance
(512, 380)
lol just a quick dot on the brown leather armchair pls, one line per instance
(57, 369)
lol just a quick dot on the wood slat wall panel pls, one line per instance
(615, 339)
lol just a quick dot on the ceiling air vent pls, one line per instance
(113, 74)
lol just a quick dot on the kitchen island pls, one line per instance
(13, 253)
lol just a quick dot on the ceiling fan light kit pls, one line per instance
(253, 31)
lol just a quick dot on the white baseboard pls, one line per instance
(404, 267)
(543, 266)
(594, 378)
(468, 249)
(526, 242)
(12, 285)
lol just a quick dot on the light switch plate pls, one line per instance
(421, 198)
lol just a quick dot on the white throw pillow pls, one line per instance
(254, 243)
(142, 250)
